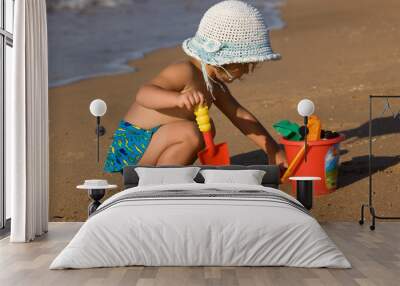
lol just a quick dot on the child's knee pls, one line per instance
(193, 137)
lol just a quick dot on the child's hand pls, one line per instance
(189, 99)
(278, 158)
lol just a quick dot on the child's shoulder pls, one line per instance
(183, 68)
(175, 76)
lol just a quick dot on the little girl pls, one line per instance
(160, 126)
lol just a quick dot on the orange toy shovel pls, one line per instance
(293, 165)
(212, 154)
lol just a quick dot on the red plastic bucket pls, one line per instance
(322, 161)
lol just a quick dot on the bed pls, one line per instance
(201, 224)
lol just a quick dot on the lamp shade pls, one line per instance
(305, 107)
(98, 107)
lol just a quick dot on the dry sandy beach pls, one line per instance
(335, 53)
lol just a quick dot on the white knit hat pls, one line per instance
(230, 32)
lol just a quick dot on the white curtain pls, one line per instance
(27, 139)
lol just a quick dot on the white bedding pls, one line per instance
(190, 230)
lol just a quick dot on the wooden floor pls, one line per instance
(375, 257)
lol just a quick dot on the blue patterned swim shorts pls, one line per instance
(128, 146)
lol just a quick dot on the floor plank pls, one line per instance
(375, 257)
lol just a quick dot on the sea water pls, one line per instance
(96, 37)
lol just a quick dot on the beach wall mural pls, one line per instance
(108, 49)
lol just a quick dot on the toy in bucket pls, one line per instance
(212, 154)
(317, 155)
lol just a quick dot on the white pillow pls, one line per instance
(248, 177)
(163, 176)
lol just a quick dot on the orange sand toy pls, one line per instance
(212, 154)
(314, 128)
(293, 164)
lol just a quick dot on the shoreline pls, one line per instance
(328, 57)
(69, 62)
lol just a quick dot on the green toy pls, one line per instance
(289, 130)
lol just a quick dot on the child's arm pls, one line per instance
(164, 91)
(248, 124)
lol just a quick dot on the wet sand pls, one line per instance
(335, 53)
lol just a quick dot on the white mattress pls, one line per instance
(190, 230)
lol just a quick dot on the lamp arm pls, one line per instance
(98, 137)
(305, 137)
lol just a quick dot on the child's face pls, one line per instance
(230, 72)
